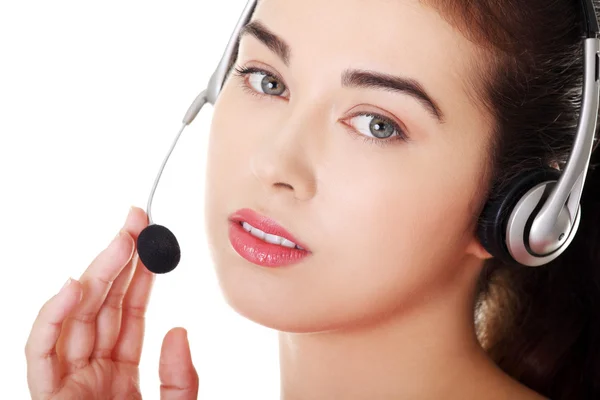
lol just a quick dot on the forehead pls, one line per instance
(391, 36)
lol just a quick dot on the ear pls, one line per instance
(475, 248)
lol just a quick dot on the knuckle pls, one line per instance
(31, 352)
(102, 353)
(44, 309)
(137, 312)
(80, 362)
(127, 362)
(27, 349)
(104, 280)
(84, 317)
(115, 300)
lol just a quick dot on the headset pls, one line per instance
(530, 224)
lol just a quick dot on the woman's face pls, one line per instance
(380, 184)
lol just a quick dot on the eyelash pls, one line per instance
(399, 136)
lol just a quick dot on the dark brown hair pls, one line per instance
(540, 325)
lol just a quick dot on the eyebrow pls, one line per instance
(351, 77)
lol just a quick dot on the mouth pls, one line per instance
(262, 241)
(266, 229)
(268, 237)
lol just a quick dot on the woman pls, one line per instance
(390, 294)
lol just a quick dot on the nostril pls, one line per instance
(285, 185)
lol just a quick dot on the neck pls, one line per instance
(430, 351)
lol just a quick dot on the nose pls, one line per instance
(284, 160)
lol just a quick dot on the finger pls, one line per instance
(43, 369)
(108, 322)
(131, 338)
(128, 348)
(75, 345)
(178, 377)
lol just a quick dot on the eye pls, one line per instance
(261, 82)
(377, 129)
(380, 130)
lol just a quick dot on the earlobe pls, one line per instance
(476, 249)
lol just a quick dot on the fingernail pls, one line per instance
(129, 214)
(117, 236)
(67, 283)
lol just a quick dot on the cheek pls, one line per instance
(388, 237)
(386, 230)
(227, 130)
(229, 140)
(223, 165)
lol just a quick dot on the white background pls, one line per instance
(91, 97)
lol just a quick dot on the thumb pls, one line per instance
(178, 377)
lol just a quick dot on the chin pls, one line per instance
(281, 300)
(311, 296)
(275, 297)
(263, 296)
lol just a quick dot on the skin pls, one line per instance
(382, 308)
(86, 341)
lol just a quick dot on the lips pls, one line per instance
(265, 224)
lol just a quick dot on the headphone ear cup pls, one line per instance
(493, 220)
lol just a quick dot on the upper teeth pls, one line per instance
(267, 237)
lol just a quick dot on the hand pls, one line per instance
(86, 341)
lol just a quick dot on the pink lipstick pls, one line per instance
(258, 250)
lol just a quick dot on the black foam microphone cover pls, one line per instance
(158, 249)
